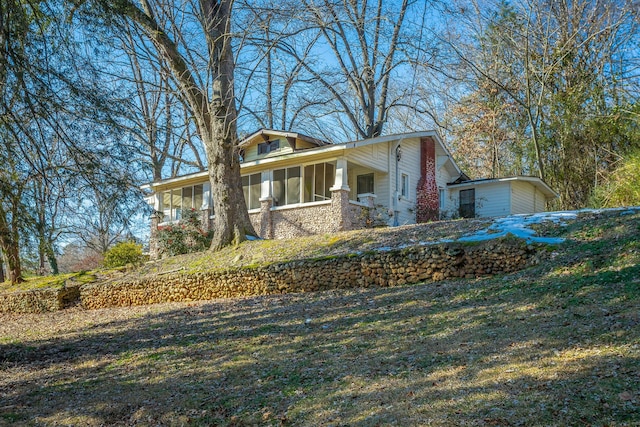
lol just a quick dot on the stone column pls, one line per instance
(266, 218)
(340, 211)
(266, 230)
(154, 245)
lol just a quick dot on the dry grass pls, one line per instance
(558, 344)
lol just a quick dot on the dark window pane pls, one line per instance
(329, 179)
(365, 183)
(308, 183)
(468, 203)
(279, 187)
(254, 192)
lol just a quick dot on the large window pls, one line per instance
(318, 180)
(364, 184)
(468, 203)
(175, 201)
(286, 186)
(251, 189)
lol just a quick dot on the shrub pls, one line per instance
(184, 237)
(622, 188)
(123, 253)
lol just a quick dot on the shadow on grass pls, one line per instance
(516, 350)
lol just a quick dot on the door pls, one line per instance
(468, 203)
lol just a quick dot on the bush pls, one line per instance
(184, 237)
(123, 253)
(622, 188)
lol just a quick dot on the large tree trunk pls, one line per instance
(9, 239)
(2, 277)
(219, 132)
(14, 266)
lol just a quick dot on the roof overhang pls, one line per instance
(535, 181)
(323, 151)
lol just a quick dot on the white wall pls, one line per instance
(373, 155)
(491, 200)
(526, 198)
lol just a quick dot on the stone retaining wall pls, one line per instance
(374, 269)
(39, 300)
(411, 265)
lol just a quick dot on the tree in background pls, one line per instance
(561, 68)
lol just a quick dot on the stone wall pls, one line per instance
(376, 269)
(294, 222)
(39, 300)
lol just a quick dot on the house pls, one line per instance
(298, 185)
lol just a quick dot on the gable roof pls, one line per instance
(265, 133)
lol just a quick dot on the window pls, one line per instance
(468, 203)
(318, 179)
(405, 186)
(251, 190)
(441, 196)
(268, 147)
(176, 200)
(364, 184)
(286, 186)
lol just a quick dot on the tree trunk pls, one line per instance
(13, 261)
(2, 277)
(9, 239)
(219, 132)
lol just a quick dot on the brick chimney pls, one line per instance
(427, 203)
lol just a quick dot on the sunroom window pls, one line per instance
(175, 201)
(251, 190)
(286, 186)
(318, 180)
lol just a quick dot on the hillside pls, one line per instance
(556, 344)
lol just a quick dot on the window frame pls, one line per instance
(268, 147)
(372, 185)
(404, 186)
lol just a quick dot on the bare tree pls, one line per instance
(343, 56)
(160, 120)
(209, 91)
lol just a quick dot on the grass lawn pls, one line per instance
(557, 344)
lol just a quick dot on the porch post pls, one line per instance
(205, 210)
(340, 213)
(266, 202)
(155, 218)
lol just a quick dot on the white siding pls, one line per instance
(409, 165)
(373, 155)
(526, 198)
(541, 202)
(493, 199)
